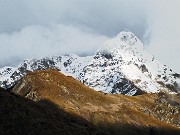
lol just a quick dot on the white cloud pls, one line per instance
(164, 28)
(107, 17)
(38, 41)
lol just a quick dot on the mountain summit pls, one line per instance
(122, 65)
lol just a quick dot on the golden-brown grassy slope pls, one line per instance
(20, 116)
(117, 114)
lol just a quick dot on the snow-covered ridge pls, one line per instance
(70, 65)
(121, 66)
(126, 57)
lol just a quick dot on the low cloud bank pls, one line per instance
(38, 41)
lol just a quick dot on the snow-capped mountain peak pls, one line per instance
(125, 40)
(129, 38)
(122, 65)
(124, 58)
(125, 43)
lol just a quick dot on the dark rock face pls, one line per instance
(125, 86)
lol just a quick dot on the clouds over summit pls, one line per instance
(68, 26)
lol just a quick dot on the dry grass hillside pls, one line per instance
(20, 116)
(148, 114)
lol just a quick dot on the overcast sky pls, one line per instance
(35, 28)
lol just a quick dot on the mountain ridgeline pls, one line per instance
(121, 89)
(121, 66)
(48, 102)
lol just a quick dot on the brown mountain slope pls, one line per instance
(116, 114)
(20, 116)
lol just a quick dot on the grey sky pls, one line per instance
(104, 16)
(81, 26)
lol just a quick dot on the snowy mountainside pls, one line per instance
(70, 65)
(124, 57)
(121, 66)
